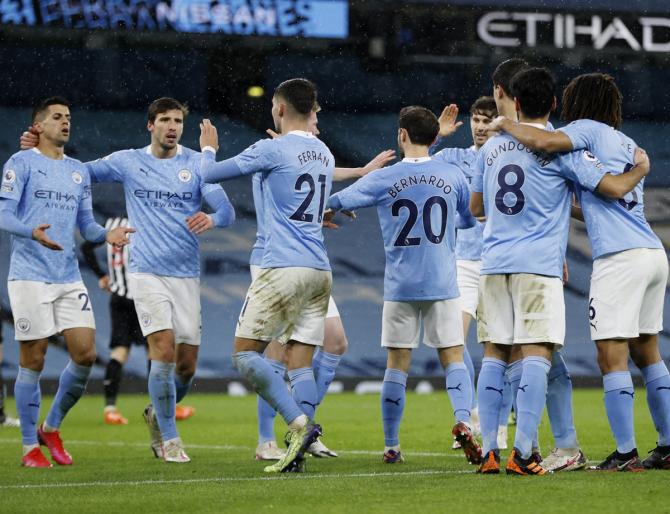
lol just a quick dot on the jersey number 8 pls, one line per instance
(513, 190)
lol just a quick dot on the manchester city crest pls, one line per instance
(185, 175)
(76, 177)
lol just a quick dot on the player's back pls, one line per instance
(527, 205)
(417, 207)
(295, 188)
(612, 225)
(48, 191)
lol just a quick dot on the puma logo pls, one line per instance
(523, 388)
(312, 405)
(632, 395)
(396, 402)
(37, 405)
(659, 388)
(42, 172)
(457, 388)
(593, 324)
(489, 388)
(144, 171)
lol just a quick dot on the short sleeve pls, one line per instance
(583, 168)
(261, 156)
(107, 169)
(449, 155)
(14, 178)
(582, 134)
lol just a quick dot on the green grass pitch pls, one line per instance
(115, 471)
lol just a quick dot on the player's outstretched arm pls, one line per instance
(379, 161)
(448, 119)
(618, 186)
(533, 137)
(209, 137)
(477, 204)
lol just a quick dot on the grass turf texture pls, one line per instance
(115, 471)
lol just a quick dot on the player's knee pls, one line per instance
(34, 362)
(85, 357)
(336, 345)
(185, 370)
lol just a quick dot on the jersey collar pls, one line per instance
(416, 160)
(147, 150)
(536, 125)
(301, 133)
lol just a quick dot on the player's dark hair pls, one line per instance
(165, 104)
(535, 90)
(300, 94)
(420, 123)
(484, 105)
(502, 75)
(42, 107)
(594, 96)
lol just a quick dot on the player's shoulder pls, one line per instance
(24, 156)
(71, 161)
(127, 153)
(454, 154)
(587, 124)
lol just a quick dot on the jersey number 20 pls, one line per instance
(402, 239)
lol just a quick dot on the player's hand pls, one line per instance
(272, 133)
(208, 135)
(379, 161)
(642, 160)
(566, 272)
(119, 236)
(199, 222)
(329, 214)
(40, 235)
(103, 283)
(448, 123)
(497, 124)
(29, 139)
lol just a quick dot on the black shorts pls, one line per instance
(125, 325)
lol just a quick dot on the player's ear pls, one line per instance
(150, 126)
(37, 127)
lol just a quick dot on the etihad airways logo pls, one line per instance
(513, 29)
(162, 195)
(58, 196)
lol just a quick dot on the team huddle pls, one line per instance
(478, 233)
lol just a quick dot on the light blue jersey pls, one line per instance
(53, 191)
(468, 241)
(296, 174)
(613, 225)
(417, 203)
(527, 199)
(160, 195)
(259, 245)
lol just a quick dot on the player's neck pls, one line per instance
(536, 121)
(163, 153)
(289, 125)
(50, 150)
(507, 109)
(415, 151)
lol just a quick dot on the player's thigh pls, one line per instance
(495, 311)
(467, 276)
(81, 344)
(539, 309)
(335, 338)
(401, 324)
(442, 323)
(32, 308)
(186, 316)
(153, 302)
(309, 325)
(73, 309)
(271, 306)
(653, 299)
(618, 286)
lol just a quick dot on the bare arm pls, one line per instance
(618, 186)
(477, 204)
(532, 137)
(381, 160)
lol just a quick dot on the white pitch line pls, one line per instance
(60, 485)
(223, 447)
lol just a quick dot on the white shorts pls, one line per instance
(41, 310)
(442, 323)
(521, 308)
(467, 276)
(333, 311)
(627, 294)
(167, 303)
(286, 304)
